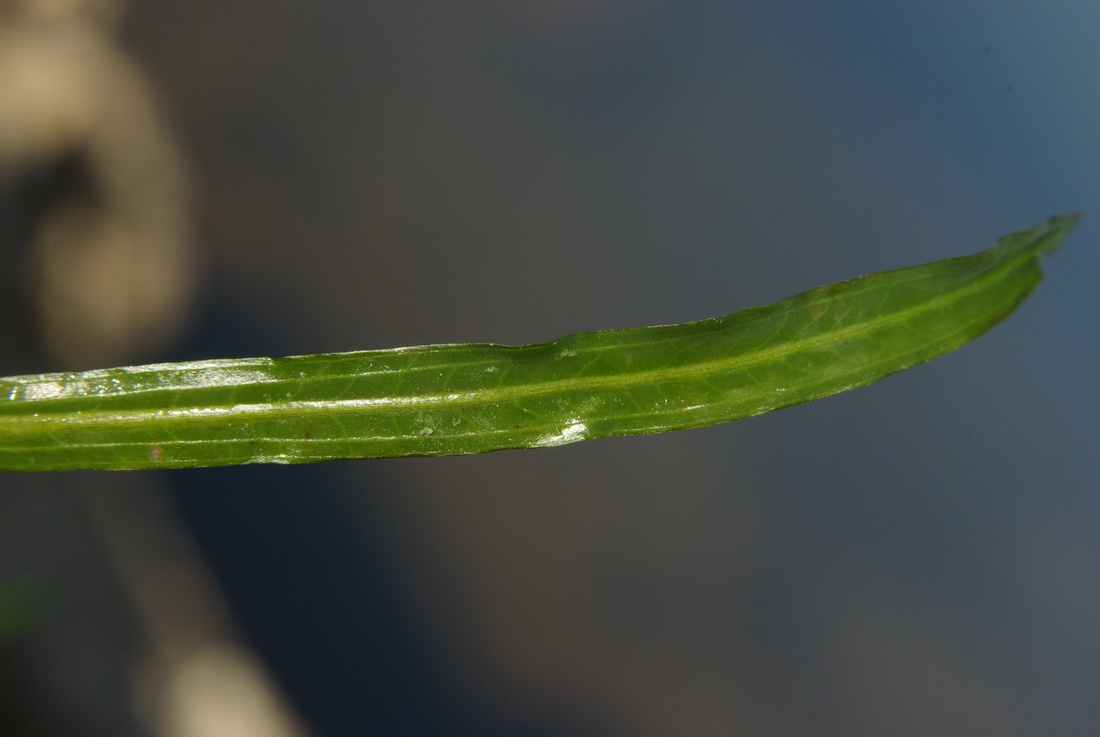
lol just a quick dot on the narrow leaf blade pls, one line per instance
(473, 398)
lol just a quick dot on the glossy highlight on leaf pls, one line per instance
(473, 398)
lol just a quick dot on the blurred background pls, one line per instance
(237, 178)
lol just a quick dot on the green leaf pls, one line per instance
(473, 398)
